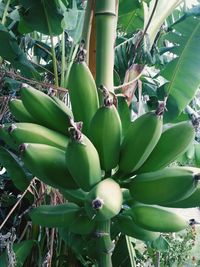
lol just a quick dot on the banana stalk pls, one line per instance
(104, 244)
(105, 19)
(105, 37)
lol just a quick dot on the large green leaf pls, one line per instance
(41, 15)
(130, 16)
(183, 71)
(21, 250)
(10, 51)
(14, 170)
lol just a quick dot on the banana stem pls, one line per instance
(104, 244)
(106, 20)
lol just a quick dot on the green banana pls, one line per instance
(105, 133)
(62, 105)
(82, 160)
(74, 195)
(157, 219)
(34, 133)
(19, 111)
(166, 185)
(124, 113)
(82, 224)
(128, 227)
(45, 110)
(173, 142)
(190, 202)
(4, 135)
(139, 141)
(48, 164)
(82, 92)
(54, 216)
(104, 201)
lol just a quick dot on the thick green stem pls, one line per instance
(5, 13)
(104, 244)
(106, 21)
(52, 48)
(89, 13)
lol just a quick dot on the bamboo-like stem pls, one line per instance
(92, 49)
(106, 20)
(52, 48)
(89, 14)
(104, 244)
(5, 13)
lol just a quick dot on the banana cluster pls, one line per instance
(105, 173)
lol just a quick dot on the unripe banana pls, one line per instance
(173, 142)
(105, 133)
(4, 135)
(61, 104)
(104, 201)
(128, 227)
(139, 141)
(48, 164)
(124, 113)
(54, 216)
(75, 195)
(157, 219)
(82, 161)
(190, 202)
(45, 110)
(82, 224)
(164, 186)
(82, 92)
(34, 133)
(19, 111)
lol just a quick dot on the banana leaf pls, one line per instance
(183, 71)
(130, 16)
(41, 15)
(10, 51)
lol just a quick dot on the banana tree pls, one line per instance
(100, 159)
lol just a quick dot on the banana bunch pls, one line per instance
(108, 167)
